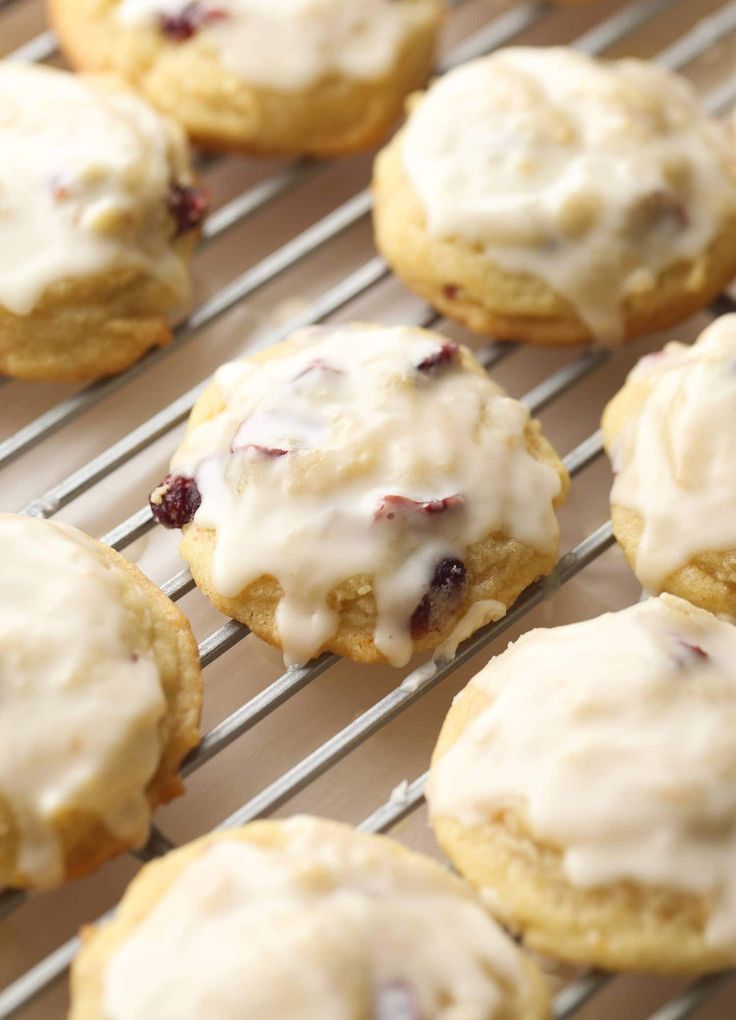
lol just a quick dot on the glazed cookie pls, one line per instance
(299, 919)
(99, 216)
(297, 77)
(546, 196)
(363, 489)
(586, 780)
(100, 689)
(670, 435)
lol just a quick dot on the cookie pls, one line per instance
(547, 196)
(100, 689)
(99, 216)
(301, 918)
(585, 780)
(363, 489)
(288, 78)
(668, 433)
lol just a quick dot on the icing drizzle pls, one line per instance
(613, 738)
(86, 177)
(328, 925)
(80, 703)
(364, 453)
(288, 45)
(593, 176)
(676, 457)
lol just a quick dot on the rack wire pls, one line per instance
(501, 29)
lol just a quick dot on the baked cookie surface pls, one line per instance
(99, 217)
(100, 689)
(585, 780)
(547, 196)
(294, 77)
(669, 433)
(299, 919)
(363, 489)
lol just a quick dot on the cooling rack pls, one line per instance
(694, 36)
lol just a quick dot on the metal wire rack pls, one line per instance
(617, 25)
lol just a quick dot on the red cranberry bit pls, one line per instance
(188, 207)
(395, 1000)
(182, 26)
(237, 445)
(444, 354)
(689, 655)
(392, 505)
(276, 432)
(451, 291)
(267, 451)
(175, 502)
(59, 190)
(446, 588)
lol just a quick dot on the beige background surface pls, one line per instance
(364, 780)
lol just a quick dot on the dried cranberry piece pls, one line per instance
(449, 575)
(182, 26)
(175, 501)
(59, 188)
(444, 354)
(391, 505)
(451, 291)
(267, 451)
(395, 1000)
(179, 27)
(188, 207)
(688, 654)
(446, 588)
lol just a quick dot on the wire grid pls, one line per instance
(500, 30)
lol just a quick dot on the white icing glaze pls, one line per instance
(614, 739)
(311, 930)
(290, 45)
(85, 173)
(361, 423)
(593, 176)
(80, 710)
(676, 459)
(479, 614)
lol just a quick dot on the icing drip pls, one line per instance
(593, 176)
(613, 738)
(290, 45)
(345, 456)
(676, 459)
(86, 172)
(80, 708)
(322, 927)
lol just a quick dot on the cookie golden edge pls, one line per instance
(498, 567)
(156, 626)
(157, 877)
(87, 327)
(622, 926)
(707, 580)
(460, 281)
(221, 111)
